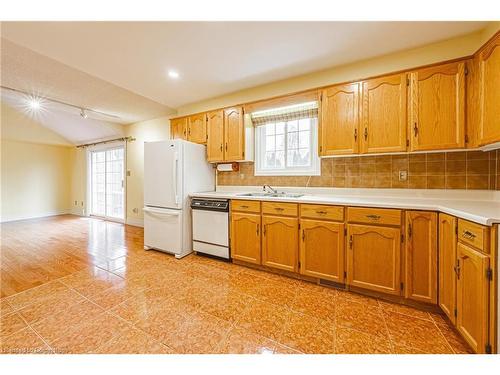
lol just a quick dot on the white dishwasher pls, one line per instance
(211, 226)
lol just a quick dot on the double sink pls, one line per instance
(274, 195)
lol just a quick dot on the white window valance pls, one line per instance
(284, 114)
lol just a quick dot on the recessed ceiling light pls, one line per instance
(34, 104)
(173, 74)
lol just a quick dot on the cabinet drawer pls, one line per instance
(374, 216)
(277, 208)
(245, 206)
(317, 211)
(474, 234)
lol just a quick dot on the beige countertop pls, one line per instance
(479, 207)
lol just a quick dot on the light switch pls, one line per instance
(403, 175)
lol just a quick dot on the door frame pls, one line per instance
(103, 147)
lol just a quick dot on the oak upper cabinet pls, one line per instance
(197, 128)
(245, 237)
(383, 114)
(489, 92)
(178, 128)
(322, 249)
(234, 134)
(215, 133)
(339, 125)
(280, 242)
(437, 107)
(447, 265)
(373, 258)
(472, 297)
(421, 256)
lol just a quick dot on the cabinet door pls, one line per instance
(197, 128)
(383, 114)
(215, 132)
(421, 256)
(489, 93)
(178, 128)
(234, 134)
(447, 263)
(322, 250)
(472, 297)
(280, 242)
(373, 260)
(339, 120)
(437, 107)
(245, 237)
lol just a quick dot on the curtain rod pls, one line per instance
(60, 102)
(123, 139)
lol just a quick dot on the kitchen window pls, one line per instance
(287, 141)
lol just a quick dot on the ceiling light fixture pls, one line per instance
(83, 113)
(173, 74)
(34, 103)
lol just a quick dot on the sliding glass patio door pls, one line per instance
(107, 183)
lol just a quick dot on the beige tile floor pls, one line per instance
(149, 302)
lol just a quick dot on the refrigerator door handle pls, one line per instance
(161, 211)
(174, 176)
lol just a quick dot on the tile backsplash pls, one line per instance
(442, 170)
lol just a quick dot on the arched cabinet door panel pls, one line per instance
(280, 242)
(245, 237)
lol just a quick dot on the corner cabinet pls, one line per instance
(437, 107)
(447, 265)
(383, 114)
(339, 127)
(421, 256)
(489, 92)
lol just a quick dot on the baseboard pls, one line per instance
(136, 222)
(36, 216)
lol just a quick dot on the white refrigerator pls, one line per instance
(172, 170)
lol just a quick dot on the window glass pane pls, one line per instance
(292, 157)
(292, 126)
(293, 141)
(269, 129)
(305, 124)
(280, 142)
(270, 160)
(304, 139)
(280, 159)
(304, 157)
(280, 128)
(270, 143)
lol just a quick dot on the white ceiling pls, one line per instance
(215, 58)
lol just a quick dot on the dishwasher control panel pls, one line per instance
(210, 204)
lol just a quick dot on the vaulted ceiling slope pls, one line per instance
(32, 72)
(212, 58)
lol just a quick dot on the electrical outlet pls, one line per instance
(76, 203)
(242, 176)
(403, 175)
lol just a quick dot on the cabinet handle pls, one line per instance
(264, 230)
(366, 134)
(355, 134)
(279, 208)
(409, 230)
(350, 241)
(322, 212)
(469, 235)
(244, 206)
(221, 148)
(257, 229)
(415, 129)
(189, 131)
(373, 217)
(226, 146)
(303, 235)
(457, 269)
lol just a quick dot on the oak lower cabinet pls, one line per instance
(322, 249)
(245, 237)
(374, 258)
(421, 256)
(178, 128)
(447, 265)
(472, 297)
(280, 242)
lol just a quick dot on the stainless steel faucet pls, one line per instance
(274, 191)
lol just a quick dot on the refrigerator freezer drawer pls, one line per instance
(163, 229)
